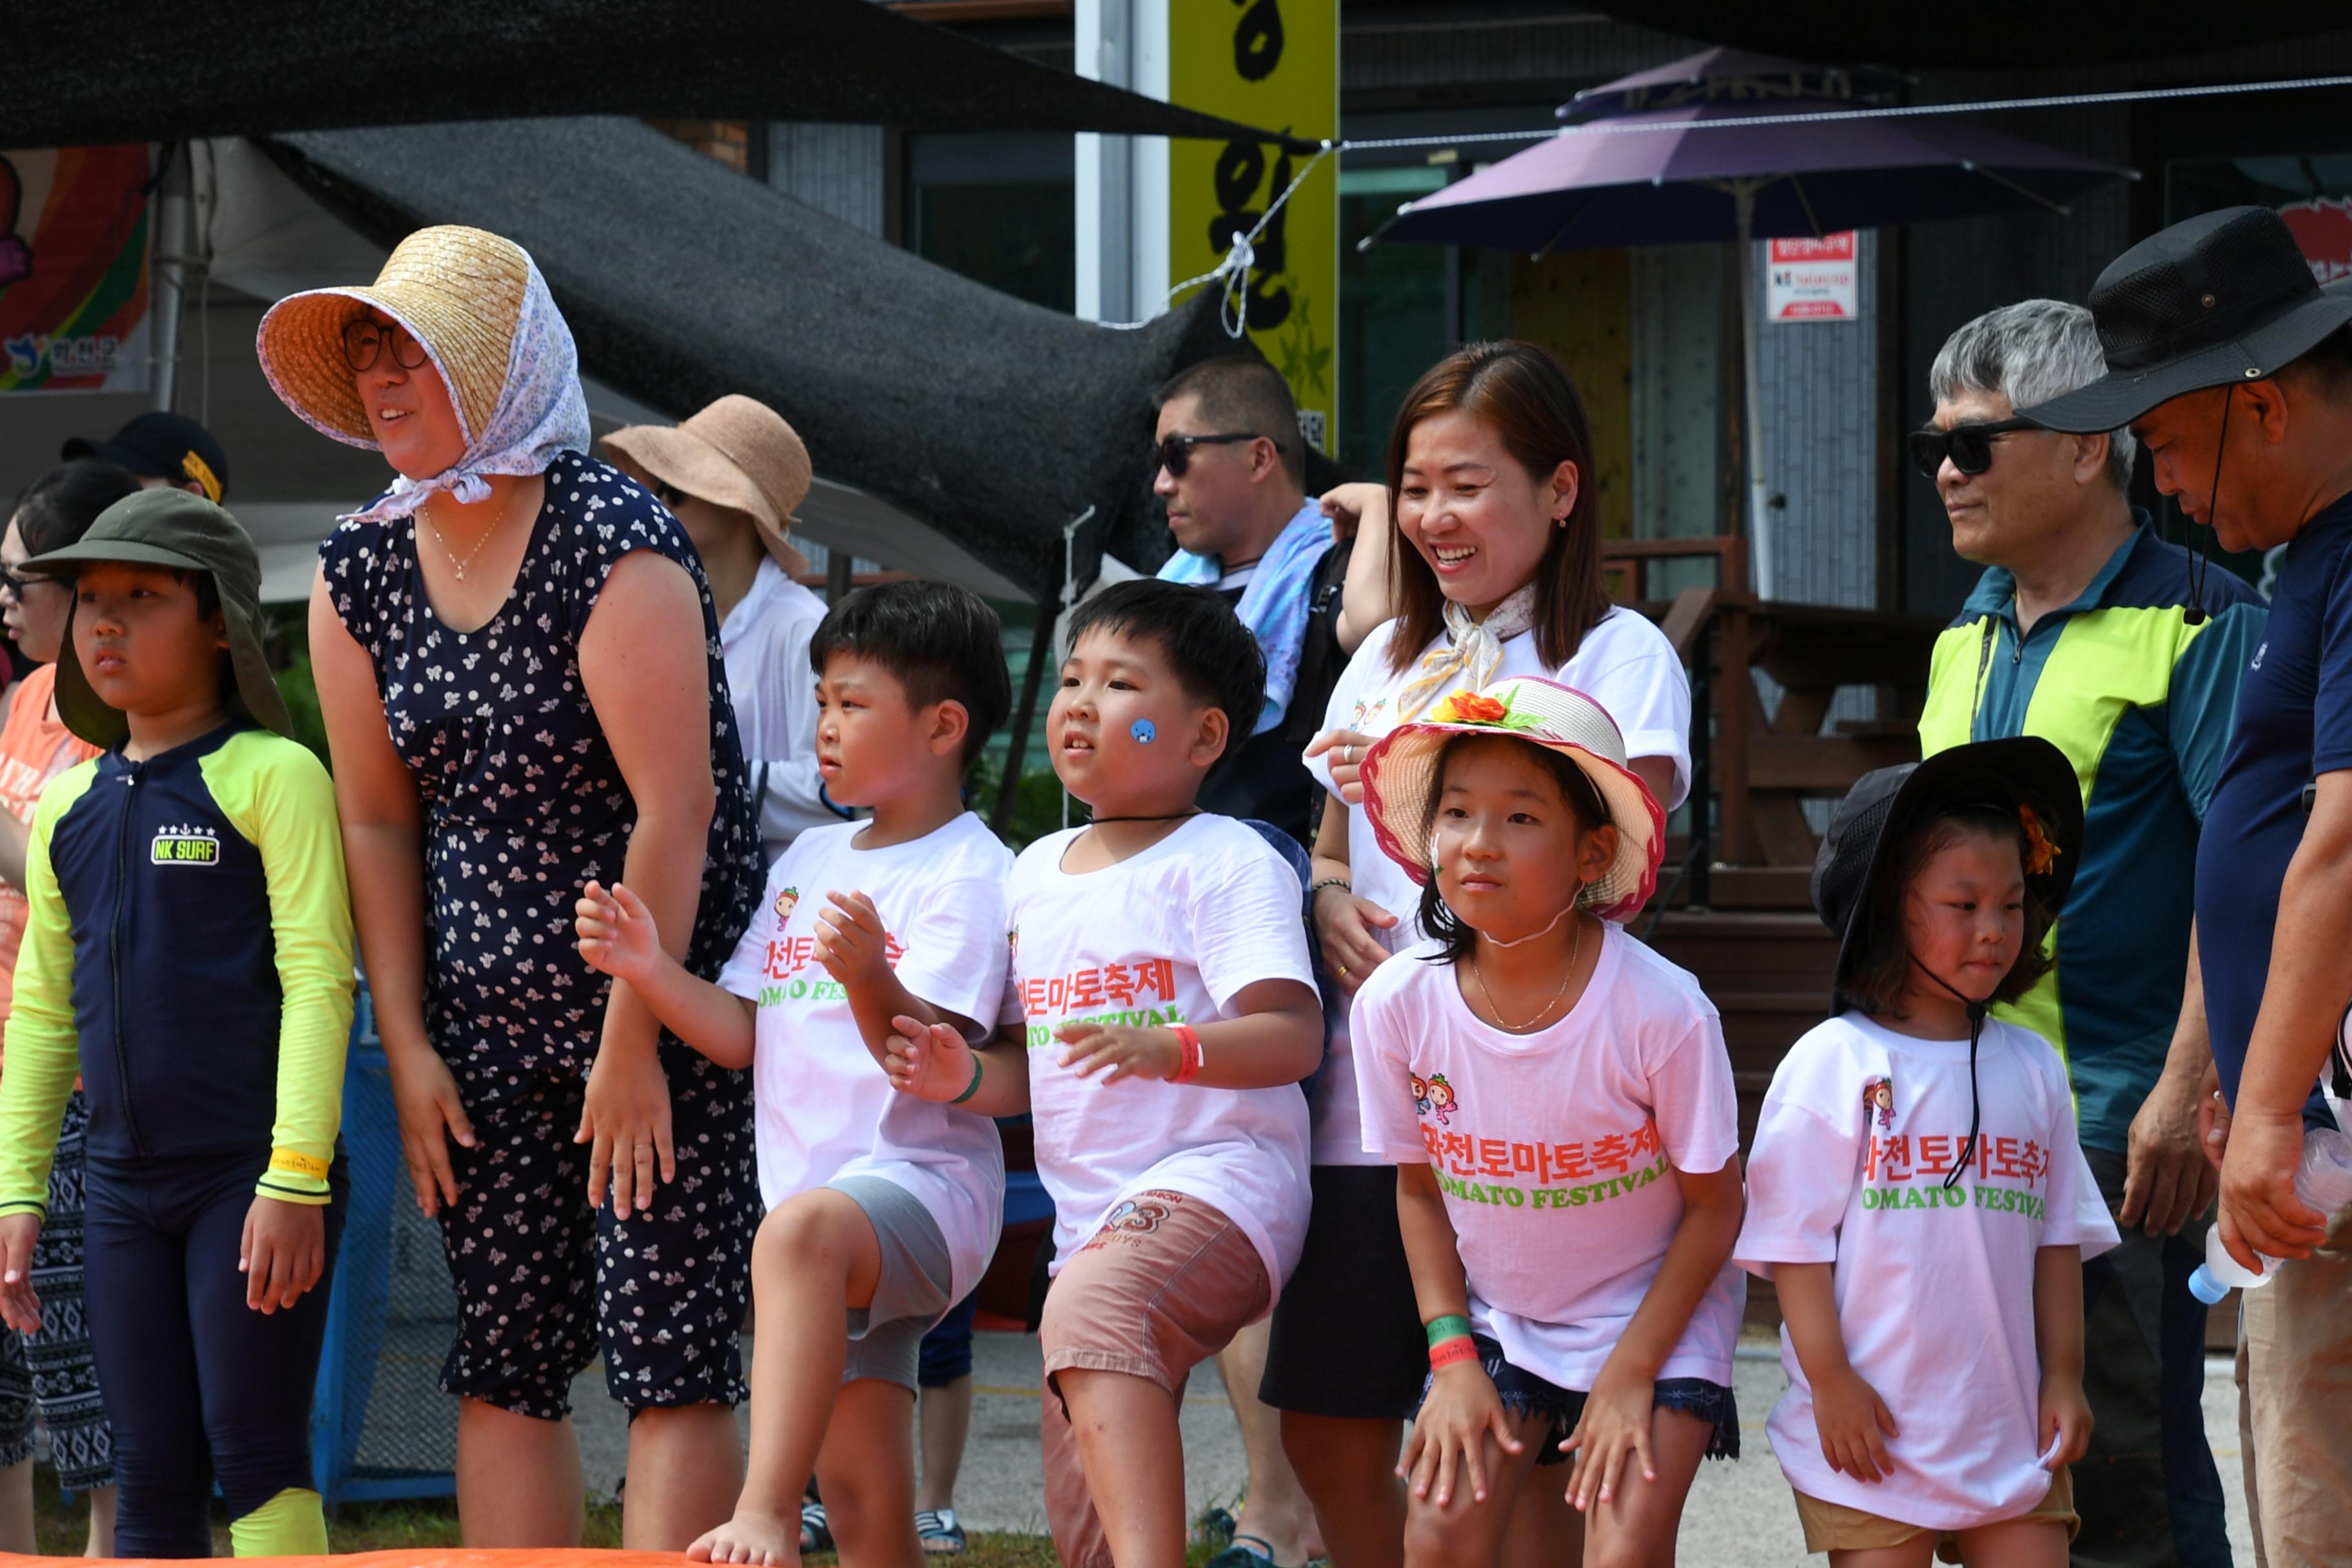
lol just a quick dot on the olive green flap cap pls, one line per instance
(176, 529)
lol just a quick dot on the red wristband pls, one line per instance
(1446, 1352)
(1188, 1047)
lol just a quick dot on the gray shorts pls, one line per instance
(911, 1294)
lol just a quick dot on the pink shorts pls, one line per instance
(1163, 1285)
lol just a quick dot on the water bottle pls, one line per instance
(2323, 1181)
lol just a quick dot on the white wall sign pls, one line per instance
(1812, 279)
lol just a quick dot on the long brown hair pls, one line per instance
(1522, 394)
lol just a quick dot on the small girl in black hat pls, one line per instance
(1916, 1191)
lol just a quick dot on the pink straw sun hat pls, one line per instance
(1401, 780)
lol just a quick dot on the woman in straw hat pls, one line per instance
(732, 474)
(515, 653)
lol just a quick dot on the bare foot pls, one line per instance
(756, 1540)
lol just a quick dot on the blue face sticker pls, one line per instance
(1143, 732)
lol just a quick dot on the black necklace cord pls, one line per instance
(1975, 1034)
(2200, 563)
(1171, 816)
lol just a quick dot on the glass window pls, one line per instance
(1394, 309)
(999, 208)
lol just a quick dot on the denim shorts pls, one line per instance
(1526, 1395)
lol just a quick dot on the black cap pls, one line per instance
(159, 446)
(186, 532)
(1884, 806)
(2217, 300)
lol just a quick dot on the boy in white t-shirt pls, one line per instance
(1916, 1193)
(1161, 1015)
(878, 1205)
(1559, 1105)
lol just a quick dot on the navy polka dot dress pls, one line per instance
(524, 805)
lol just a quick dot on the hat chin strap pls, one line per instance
(1976, 1033)
(2201, 564)
(1549, 928)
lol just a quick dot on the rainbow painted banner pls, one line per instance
(73, 270)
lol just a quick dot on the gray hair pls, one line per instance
(2029, 353)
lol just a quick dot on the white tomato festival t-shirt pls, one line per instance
(1557, 1151)
(1170, 935)
(1624, 663)
(1934, 1284)
(823, 1107)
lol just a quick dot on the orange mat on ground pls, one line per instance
(427, 1557)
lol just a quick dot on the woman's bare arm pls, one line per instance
(645, 662)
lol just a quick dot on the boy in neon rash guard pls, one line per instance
(188, 951)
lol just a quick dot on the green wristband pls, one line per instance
(974, 1087)
(1451, 1326)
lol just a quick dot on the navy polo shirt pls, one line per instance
(2295, 722)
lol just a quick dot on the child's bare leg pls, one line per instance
(16, 1533)
(101, 1521)
(1637, 1527)
(814, 1259)
(1919, 1552)
(2015, 1543)
(1349, 1471)
(866, 1473)
(1465, 1532)
(1544, 1531)
(1133, 1456)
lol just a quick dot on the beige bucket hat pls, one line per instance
(1401, 780)
(738, 452)
(459, 292)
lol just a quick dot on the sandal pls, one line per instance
(814, 1535)
(1214, 1529)
(1244, 1551)
(938, 1532)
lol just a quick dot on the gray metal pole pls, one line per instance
(167, 255)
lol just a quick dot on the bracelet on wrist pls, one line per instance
(1316, 891)
(1190, 1057)
(1447, 1326)
(1446, 1354)
(974, 1087)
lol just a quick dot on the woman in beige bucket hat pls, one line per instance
(733, 474)
(514, 652)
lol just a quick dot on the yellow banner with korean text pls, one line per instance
(1273, 64)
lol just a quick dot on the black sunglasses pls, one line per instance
(16, 582)
(364, 340)
(1174, 453)
(1968, 447)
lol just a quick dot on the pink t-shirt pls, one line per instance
(35, 747)
(1934, 1284)
(1557, 1150)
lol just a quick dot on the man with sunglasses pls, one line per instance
(2234, 369)
(2081, 631)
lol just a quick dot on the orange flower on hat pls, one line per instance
(1469, 707)
(2040, 853)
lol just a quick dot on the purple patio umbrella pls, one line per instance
(1674, 154)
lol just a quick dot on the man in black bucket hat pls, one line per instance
(2234, 369)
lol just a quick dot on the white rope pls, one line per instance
(1233, 272)
(1896, 111)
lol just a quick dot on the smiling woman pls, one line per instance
(514, 653)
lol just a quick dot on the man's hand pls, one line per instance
(1127, 1052)
(616, 931)
(2166, 1181)
(930, 1061)
(2259, 1210)
(282, 1253)
(850, 941)
(19, 1308)
(2212, 1118)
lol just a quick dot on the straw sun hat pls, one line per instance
(737, 453)
(459, 292)
(1401, 780)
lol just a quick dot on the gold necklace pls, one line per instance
(458, 563)
(1575, 950)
